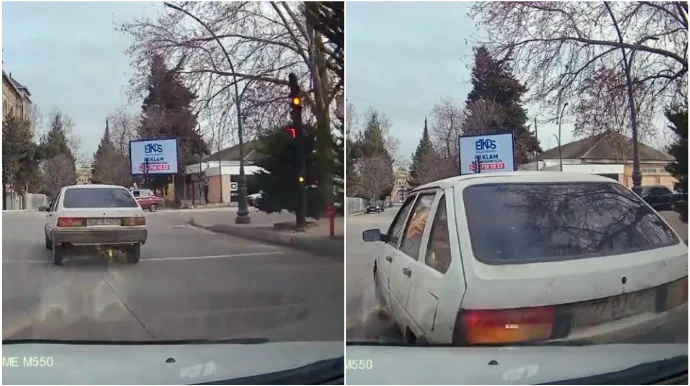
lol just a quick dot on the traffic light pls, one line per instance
(291, 132)
(295, 97)
(296, 115)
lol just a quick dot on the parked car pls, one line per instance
(147, 199)
(94, 215)
(660, 197)
(253, 199)
(503, 258)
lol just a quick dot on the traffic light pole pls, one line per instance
(296, 115)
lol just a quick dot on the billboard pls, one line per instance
(159, 154)
(492, 152)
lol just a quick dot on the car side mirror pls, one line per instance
(371, 235)
(42, 208)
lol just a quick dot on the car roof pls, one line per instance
(93, 186)
(519, 176)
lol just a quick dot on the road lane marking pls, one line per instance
(267, 253)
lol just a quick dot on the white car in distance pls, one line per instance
(95, 216)
(507, 258)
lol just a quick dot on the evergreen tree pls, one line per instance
(104, 160)
(679, 150)
(54, 142)
(167, 113)
(493, 81)
(19, 165)
(425, 149)
(371, 143)
(56, 156)
(278, 181)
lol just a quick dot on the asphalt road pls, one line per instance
(364, 322)
(190, 284)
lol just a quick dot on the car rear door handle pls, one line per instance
(389, 258)
(407, 272)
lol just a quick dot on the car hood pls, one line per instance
(154, 363)
(492, 366)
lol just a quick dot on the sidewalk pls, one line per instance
(315, 240)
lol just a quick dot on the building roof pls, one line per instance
(233, 153)
(11, 82)
(605, 146)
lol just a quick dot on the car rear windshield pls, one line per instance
(98, 198)
(522, 223)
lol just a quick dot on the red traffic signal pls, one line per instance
(291, 132)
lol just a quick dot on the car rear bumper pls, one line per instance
(111, 236)
(631, 328)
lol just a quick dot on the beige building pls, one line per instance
(400, 187)
(16, 98)
(83, 175)
(609, 155)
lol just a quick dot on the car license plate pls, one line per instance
(613, 308)
(103, 221)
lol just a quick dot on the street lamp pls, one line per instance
(560, 120)
(636, 173)
(242, 209)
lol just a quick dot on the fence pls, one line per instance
(355, 204)
(31, 201)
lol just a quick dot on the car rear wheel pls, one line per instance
(133, 254)
(49, 244)
(153, 208)
(58, 254)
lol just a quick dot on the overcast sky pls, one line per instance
(70, 57)
(401, 58)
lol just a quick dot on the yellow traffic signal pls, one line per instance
(296, 101)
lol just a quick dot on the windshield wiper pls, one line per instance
(137, 342)
(671, 369)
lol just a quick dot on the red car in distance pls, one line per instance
(147, 199)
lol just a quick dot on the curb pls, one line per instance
(320, 247)
(354, 214)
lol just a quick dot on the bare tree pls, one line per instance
(558, 48)
(447, 117)
(376, 175)
(481, 115)
(265, 41)
(123, 129)
(434, 167)
(58, 172)
(352, 122)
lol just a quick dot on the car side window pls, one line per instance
(53, 204)
(438, 254)
(396, 228)
(659, 191)
(414, 230)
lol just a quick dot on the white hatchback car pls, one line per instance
(95, 215)
(517, 257)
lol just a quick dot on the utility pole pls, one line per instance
(146, 173)
(301, 161)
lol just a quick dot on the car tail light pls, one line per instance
(506, 325)
(133, 221)
(677, 293)
(71, 222)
